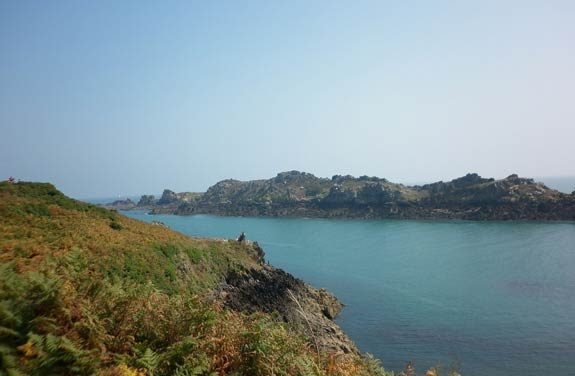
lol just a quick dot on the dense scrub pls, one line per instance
(85, 291)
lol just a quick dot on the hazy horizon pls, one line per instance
(117, 98)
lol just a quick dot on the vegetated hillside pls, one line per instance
(301, 194)
(84, 290)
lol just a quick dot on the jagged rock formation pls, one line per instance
(167, 203)
(274, 291)
(271, 290)
(168, 197)
(147, 200)
(296, 193)
(126, 204)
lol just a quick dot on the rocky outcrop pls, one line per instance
(146, 200)
(299, 194)
(274, 291)
(459, 183)
(126, 204)
(168, 197)
(169, 201)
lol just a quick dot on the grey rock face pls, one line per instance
(275, 291)
(147, 200)
(168, 197)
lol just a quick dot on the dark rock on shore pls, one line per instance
(274, 291)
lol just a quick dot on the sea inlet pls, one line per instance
(488, 298)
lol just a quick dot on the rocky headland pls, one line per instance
(87, 291)
(300, 194)
(276, 292)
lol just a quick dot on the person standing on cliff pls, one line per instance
(242, 237)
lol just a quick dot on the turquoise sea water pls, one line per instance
(498, 298)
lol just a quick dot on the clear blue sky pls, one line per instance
(127, 97)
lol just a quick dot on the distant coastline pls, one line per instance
(300, 194)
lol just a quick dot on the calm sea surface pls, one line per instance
(497, 298)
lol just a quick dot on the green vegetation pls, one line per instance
(86, 291)
(115, 225)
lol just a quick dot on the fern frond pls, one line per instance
(149, 361)
(8, 361)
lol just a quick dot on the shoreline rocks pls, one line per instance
(275, 291)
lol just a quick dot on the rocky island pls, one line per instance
(300, 194)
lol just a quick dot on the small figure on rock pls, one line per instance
(242, 237)
(408, 371)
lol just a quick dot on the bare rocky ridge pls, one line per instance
(299, 194)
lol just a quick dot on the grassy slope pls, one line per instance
(84, 290)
